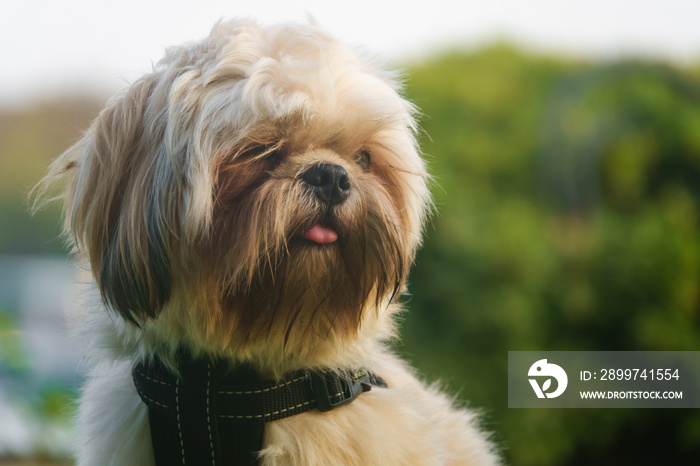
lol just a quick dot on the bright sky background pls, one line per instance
(93, 46)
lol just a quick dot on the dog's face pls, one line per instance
(263, 184)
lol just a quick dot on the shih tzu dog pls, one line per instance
(249, 211)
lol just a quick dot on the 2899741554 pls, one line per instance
(636, 374)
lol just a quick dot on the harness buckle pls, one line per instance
(334, 390)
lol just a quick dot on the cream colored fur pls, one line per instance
(188, 225)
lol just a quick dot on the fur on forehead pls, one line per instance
(288, 71)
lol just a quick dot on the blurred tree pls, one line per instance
(30, 138)
(568, 220)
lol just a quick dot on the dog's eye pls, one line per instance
(269, 154)
(363, 160)
(272, 156)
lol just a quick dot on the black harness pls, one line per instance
(215, 416)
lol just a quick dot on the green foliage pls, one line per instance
(29, 139)
(11, 350)
(568, 198)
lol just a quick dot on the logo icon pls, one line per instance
(544, 369)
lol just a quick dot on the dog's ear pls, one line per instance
(119, 204)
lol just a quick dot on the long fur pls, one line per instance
(186, 199)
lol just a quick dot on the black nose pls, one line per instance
(329, 182)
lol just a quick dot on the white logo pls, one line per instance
(542, 368)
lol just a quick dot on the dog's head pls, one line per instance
(263, 183)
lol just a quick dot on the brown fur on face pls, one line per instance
(186, 193)
(271, 278)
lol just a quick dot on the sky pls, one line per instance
(98, 47)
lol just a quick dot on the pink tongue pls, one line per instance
(321, 235)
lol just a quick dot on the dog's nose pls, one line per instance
(329, 182)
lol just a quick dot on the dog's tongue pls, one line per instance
(320, 234)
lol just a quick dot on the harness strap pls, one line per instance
(211, 415)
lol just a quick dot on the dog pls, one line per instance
(249, 211)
